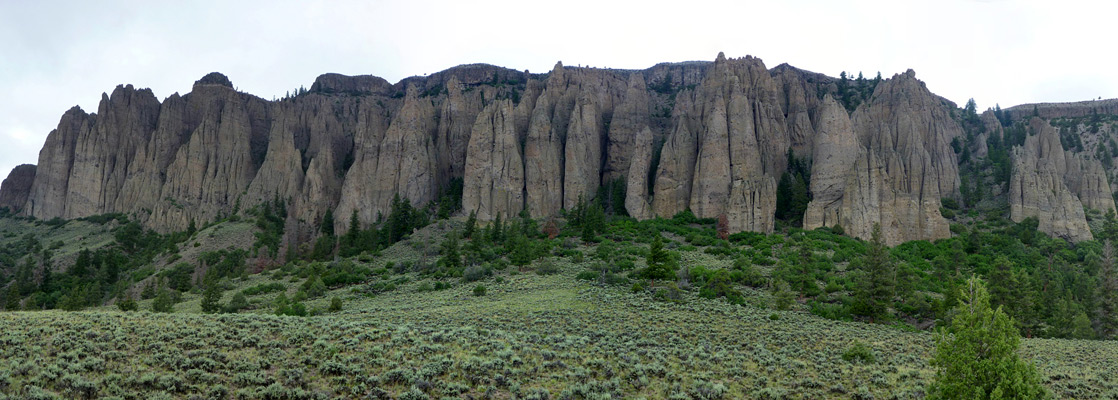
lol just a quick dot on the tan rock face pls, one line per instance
(1054, 186)
(494, 173)
(896, 171)
(358, 190)
(836, 151)
(406, 164)
(16, 187)
(583, 153)
(636, 190)
(632, 116)
(538, 141)
(543, 150)
(672, 188)
(50, 189)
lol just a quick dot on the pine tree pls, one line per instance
(328, 223)
(352, 236)
(81, 266)
(521, 252)
(1107, 312)
(11, 303)
(976, 358)
(497, 230)
(660, 263)
(783, 296)
(452, 258)
(163, 302)
(875, 290)
(211, 299)
(46, 284)
(471, 225)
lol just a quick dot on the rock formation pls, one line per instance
(494, 182)
(1054, 185)
(16, 187)
(904, 165)
(836, 151)
(636, 190)
(712, 138)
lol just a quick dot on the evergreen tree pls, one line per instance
(593, 221)
(399, 219)
(328, 223)
(163, 302)
(875, 290)
(46, 283)
(660, 263)
(471, 225)
(352, 240)
(497, 230)
(528, 226)
(783, 296)
(452, 258)
(211, 299)
(73, 300)
(1002, 284)
(81, 266)
(521, 251)
(1107, 311)
(11, 303)
(976, 358)
(314, 286)
(25, 277)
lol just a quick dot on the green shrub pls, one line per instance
(479, 290)
(238, 303)
(335, 304)
(547, 267)
(859, 353)
(476, 273)
(128, 304)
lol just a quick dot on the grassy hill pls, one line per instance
(401, 334)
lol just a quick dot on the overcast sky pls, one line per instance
(55, 54)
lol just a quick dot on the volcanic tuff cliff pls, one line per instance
(708, 137)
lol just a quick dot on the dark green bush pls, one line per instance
(859, 353)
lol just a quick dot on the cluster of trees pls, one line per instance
(853, 92)
(792, 195)
(95, 276)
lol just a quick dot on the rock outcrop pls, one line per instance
(904, 165)
(16, 187)
(836, 151)
(712, 138)
(636, 190)
(1054, 185)
(494, 173)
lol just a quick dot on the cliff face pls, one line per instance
(712, 138)
(889, 164)
(16, 187)
(1054, 185)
